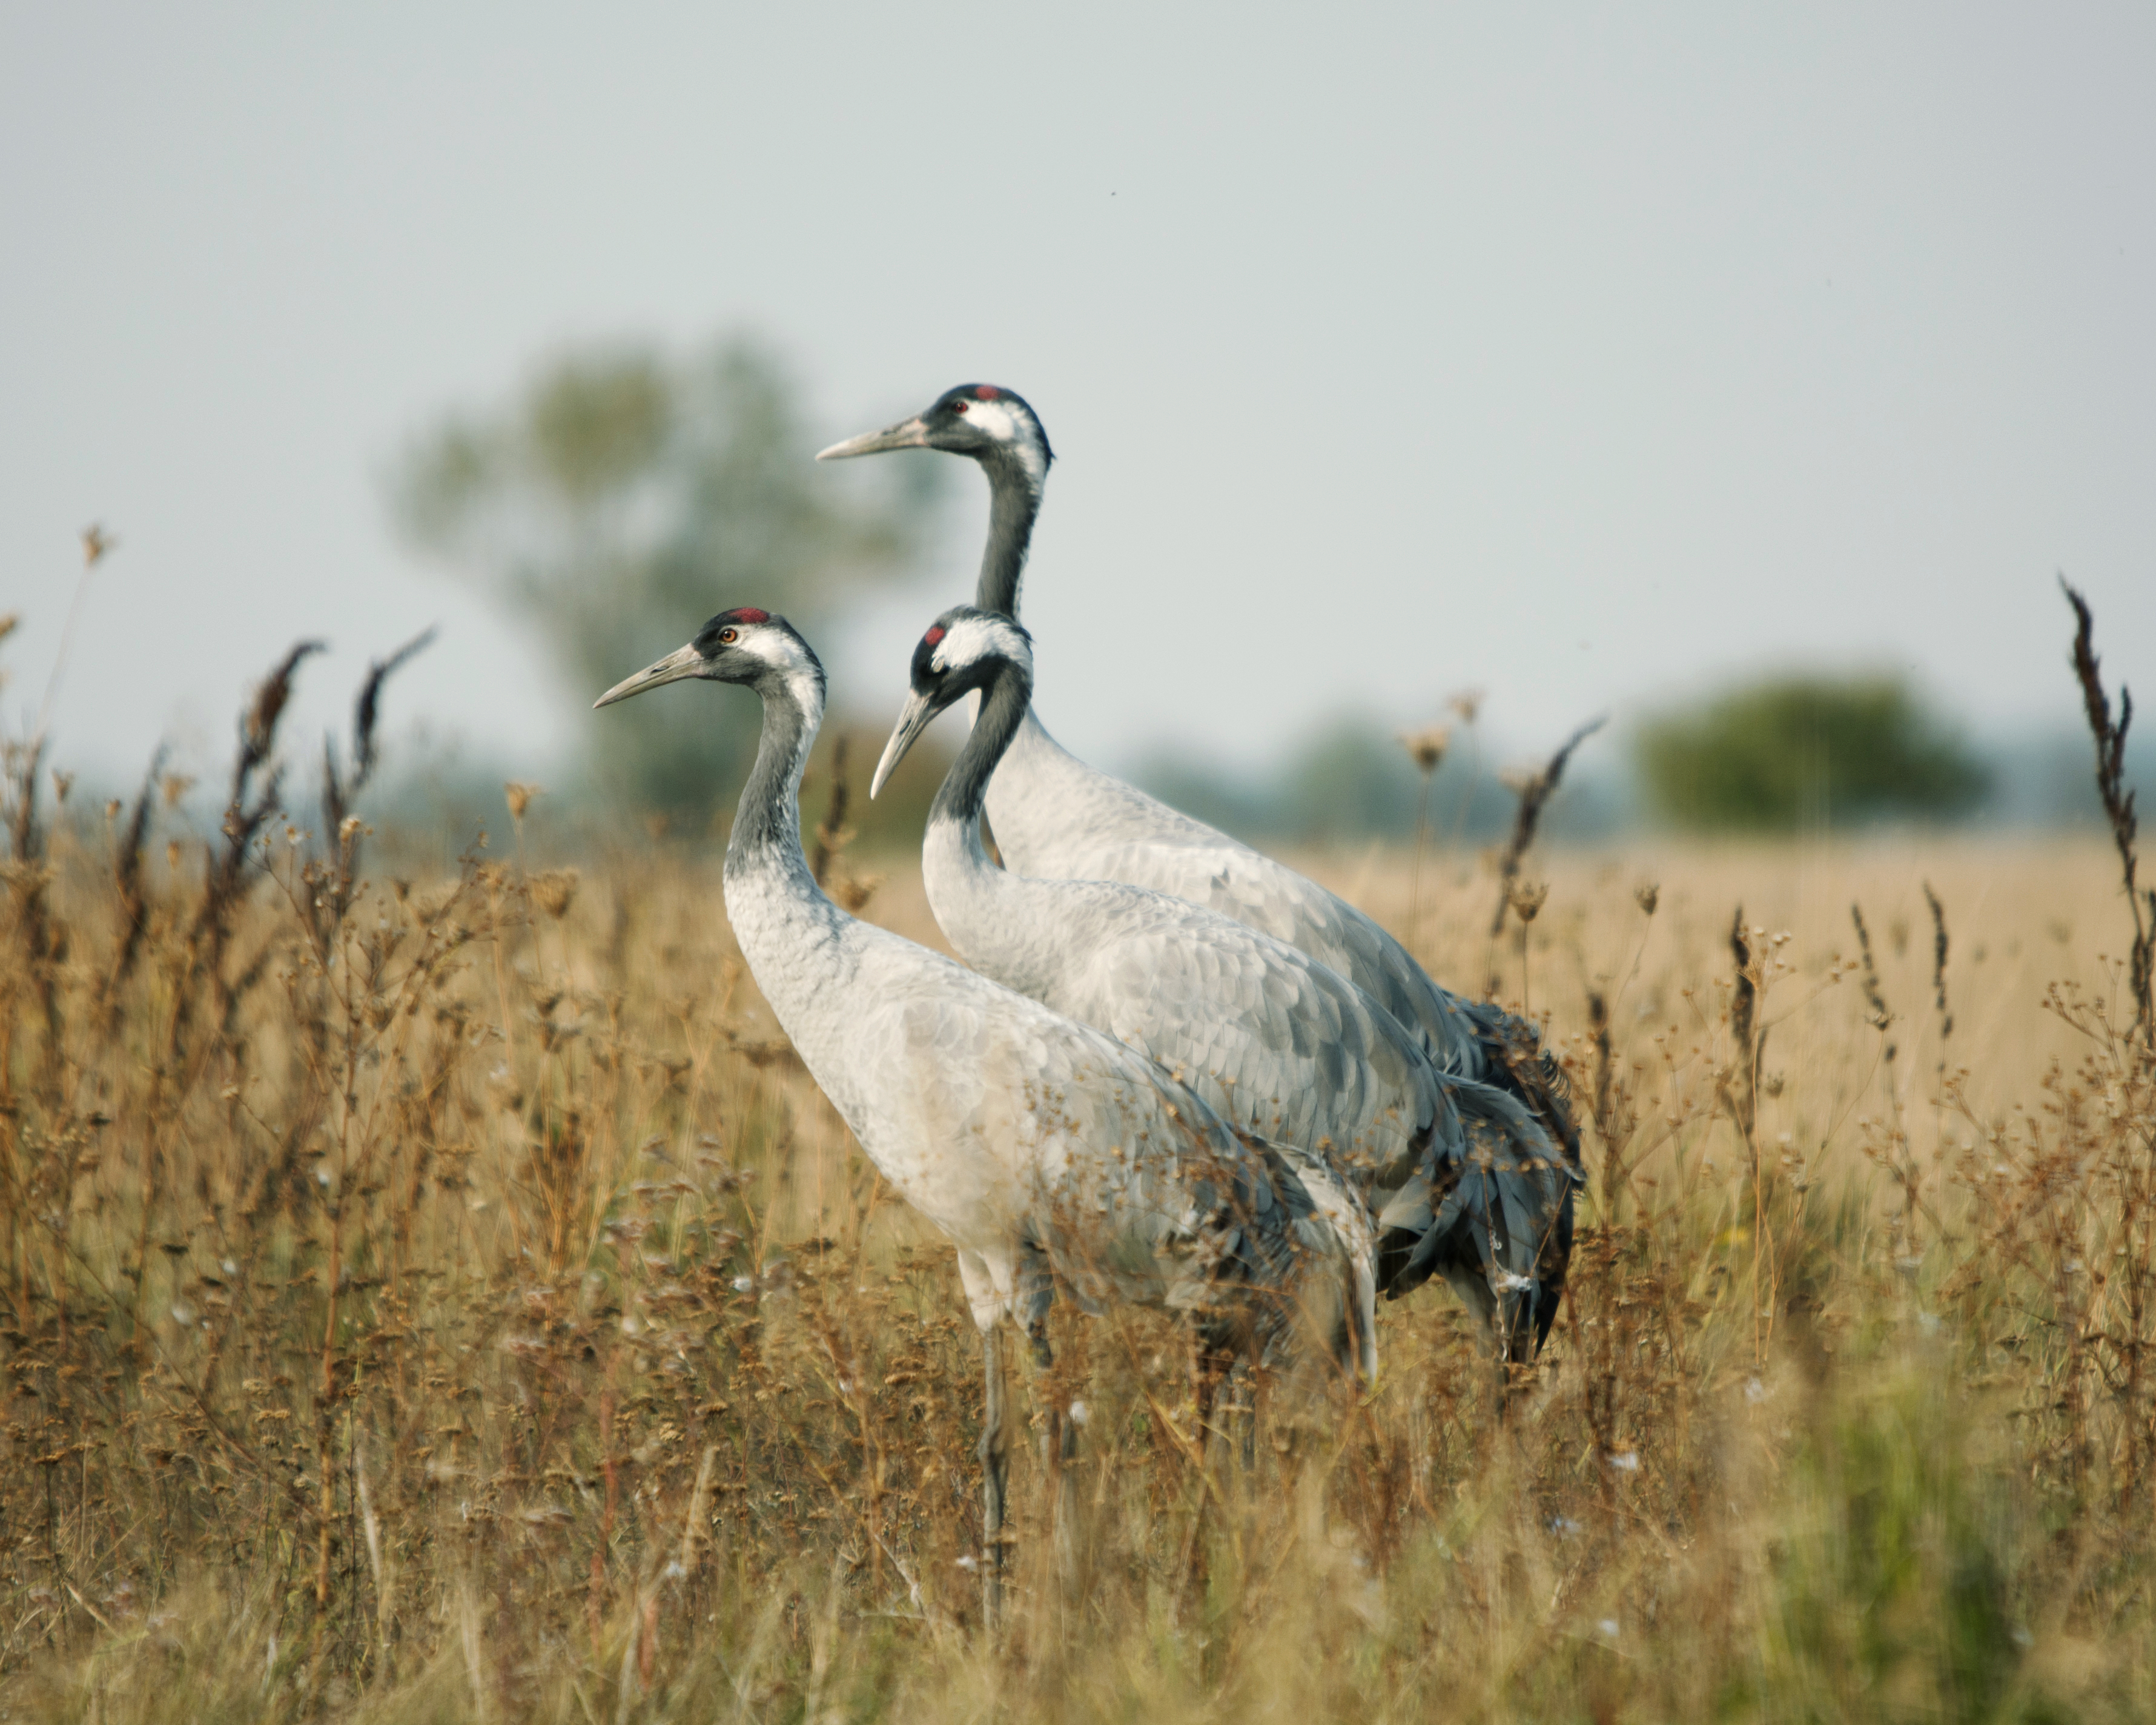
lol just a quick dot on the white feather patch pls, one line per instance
(776, 647)
(1016, 430)
(995, 419)
(971, 639)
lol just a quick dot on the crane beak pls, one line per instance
(913, 719)
(684, 662)
(907, 434)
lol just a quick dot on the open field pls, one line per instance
(448, 1299)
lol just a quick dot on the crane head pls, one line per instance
(960, 652)
(744, 646)
(983, 420)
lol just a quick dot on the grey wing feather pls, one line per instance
(1102, 829)
(1273, 1041)
(1495, 1201)
(1056, 817)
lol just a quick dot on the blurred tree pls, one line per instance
(1805, 749)
(624, 498)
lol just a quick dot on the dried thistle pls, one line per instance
(1647, 895)
(258, 728)
(555, 890)
(2118, 796)
(96, 545)
(1743, 1097)
(1939, 968)
(1879, 1017)
(519, 795)
(1426, 747)
(1598, 1025)
(1527, 898)
(338, 821)
(854, 891)
(1534, 790)
(833, 834)
(127, 885)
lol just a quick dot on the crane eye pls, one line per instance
(727, 637)
(958, 406)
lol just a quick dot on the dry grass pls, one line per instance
(447, 1298)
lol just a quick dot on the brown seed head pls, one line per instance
(1426, 747)
(520, 795)
(555, 891)
(1527, 896)
(1647, 895)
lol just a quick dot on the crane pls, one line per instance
(1056, 816)
(1466, 1183)
(1046, 1151)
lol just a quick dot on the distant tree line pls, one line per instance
(1808, 752)
(623, 497)
(624, 493)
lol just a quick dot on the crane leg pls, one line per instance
(995, 1474)
(1246, 1417)
(1059, 1449)
(1209, 1365)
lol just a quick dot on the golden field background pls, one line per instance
(444, 1297)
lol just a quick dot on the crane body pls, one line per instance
(1046, 1151)
(1468, 1185)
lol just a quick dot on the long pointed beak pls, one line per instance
(907, 434)
(684, 662)
(914, 718)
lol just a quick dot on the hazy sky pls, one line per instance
(1586, 354)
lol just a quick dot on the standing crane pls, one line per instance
(1467, 1185)
(1056, 816)
(1045, 1150)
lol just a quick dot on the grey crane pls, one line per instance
(1046, 1151)
(1467, 1183)
(1056, 816)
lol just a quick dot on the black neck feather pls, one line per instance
(767, 824)
(965, 787)
(1014, 504)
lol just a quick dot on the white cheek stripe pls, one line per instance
(972, 639)
(1001, 421)
(995, 420)
(771, 647)
(776, 648)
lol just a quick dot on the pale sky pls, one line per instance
(1588, 354)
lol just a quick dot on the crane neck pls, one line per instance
(965, 789)
(1013, 507)
(767, 834)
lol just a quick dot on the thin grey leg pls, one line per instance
(1059, 1449)
(995, 1473)
(1209, 1365)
